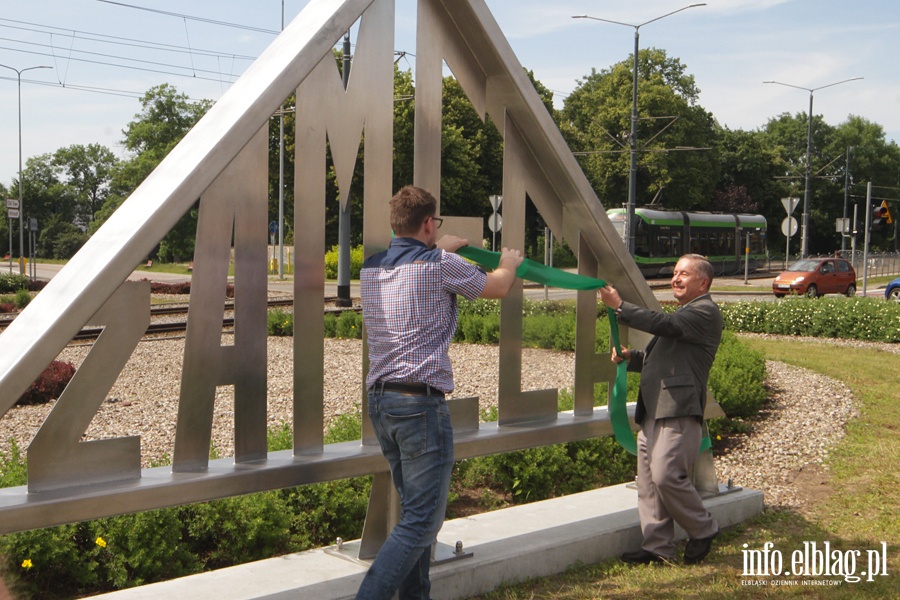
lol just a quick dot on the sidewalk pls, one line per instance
(504, 546)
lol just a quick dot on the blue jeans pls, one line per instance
(417, 441)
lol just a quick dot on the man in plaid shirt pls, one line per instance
(409, 306)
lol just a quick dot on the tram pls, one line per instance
(662, 236)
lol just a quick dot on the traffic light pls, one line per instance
(887, 213)
(880, 215)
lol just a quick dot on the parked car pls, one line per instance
(892, 291)
(816, 277)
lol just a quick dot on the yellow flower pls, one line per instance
(26, 564)
(100, 542)
(718, 437)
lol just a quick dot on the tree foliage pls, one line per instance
(88, 172)
(685, 160)
(165, 118)
(871, 159)
(675, 165)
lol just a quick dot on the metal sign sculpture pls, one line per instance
(222, 161)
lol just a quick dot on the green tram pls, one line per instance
(661, 236)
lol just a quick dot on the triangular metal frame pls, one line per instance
(219, 162)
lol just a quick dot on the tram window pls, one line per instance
(756, 243)
(668, 241)
(696, 244)
(642, 244)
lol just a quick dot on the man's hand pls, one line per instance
(451, 243)
(510, 259)
(501, 279)
(617, 358)
(610, 297)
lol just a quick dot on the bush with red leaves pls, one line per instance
(158, 287)
(50, 384)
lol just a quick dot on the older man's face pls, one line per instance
(687, 282)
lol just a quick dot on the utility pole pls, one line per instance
(807, 195)
(21, 199)
(343, 283)
(281, 178)
(632, 137)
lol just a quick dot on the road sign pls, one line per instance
(12, 203)
(32, 224)
(790, 204)
(789, 226)
(495, 222)
(13, 213)
(495, 201)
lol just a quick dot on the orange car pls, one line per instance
(816, 277)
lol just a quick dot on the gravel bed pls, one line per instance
(144, 400)
(804, 419)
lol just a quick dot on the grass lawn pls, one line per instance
(859, 511)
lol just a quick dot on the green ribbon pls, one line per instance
(538, 273)
(534, 271)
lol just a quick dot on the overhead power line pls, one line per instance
(192, 18)
(133, 67)
(116, 40)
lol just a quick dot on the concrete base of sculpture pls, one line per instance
(507, 546)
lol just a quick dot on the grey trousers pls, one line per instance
(667, 450)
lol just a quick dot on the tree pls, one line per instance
(60, 239)
(87, 170)
(872, 158)
(165, 118)
(596, 120)
(45, 195)
(748, 180)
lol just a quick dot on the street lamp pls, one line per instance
(632, 141)
(804, 225)
(21, 204)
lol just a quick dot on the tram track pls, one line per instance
(172, 309)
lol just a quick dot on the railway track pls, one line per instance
(156, 329)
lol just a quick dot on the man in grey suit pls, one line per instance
(674, 371)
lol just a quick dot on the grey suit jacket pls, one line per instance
(675, 364)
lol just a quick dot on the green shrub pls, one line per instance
(280, 437)
(13, 470)
(331, 262)
(240, 529)
(869, 319)
(349, 325)
(345, 427)
(280, 322)
(23, 297)
(549, 471)
(119, 552)
(12, 282)
(736, 378)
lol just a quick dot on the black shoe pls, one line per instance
(696, 550)
(642, 557)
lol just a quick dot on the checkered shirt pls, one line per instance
(409, 307)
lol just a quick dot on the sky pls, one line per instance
(104, 55)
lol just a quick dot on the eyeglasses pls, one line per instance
(438, 220)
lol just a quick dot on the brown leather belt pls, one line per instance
(418, 389)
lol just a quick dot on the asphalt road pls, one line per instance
(725, 289)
